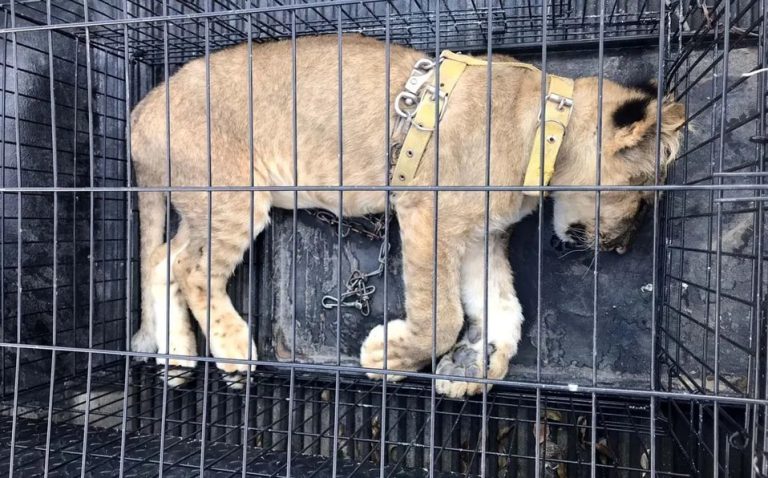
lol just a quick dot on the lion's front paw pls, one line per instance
(466, 360)
(177, 375)
(401, 350)
(180, 370)
(143, 341)
(185, 363)
(232, 339)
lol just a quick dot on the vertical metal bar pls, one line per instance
(340, 133)
(670, 209)
(54, 298)
(19, 232)
(294, 244)
(248, 372)
(598, 182)
(91, 238)
(166, 365)
(719, 243)
(75, 126)
(655, 287)
(763, 124)
(128, 237)
(435, 239)
(3, 166)
(209, 197)
(101, 243)
(705, 353)
(387, 168)
(486, 232)
(759, 238)
(540, 246)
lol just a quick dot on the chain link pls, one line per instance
(371, 226)
(358, 293)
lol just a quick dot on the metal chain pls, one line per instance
(358, 293)
(371, 226)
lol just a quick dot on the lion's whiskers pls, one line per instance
(589, 267)
(581, 249)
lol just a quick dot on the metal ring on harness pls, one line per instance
(403, 98)
(554, 121)
(424, 64)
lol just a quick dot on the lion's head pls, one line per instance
(629, 157)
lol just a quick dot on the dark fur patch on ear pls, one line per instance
(630, 112)
(648, 87)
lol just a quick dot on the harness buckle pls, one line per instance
(407, 100)
(562, 101)
(420, 74)
(405, 104)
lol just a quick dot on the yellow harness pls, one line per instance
(420, 93)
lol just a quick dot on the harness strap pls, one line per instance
(559, 104)
(423, 121)
(557, 114)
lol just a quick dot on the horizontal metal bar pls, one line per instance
(691, 283)
(440, 188)
(742, 199)
(668, 335)
(698, 250)
(742, 173)
(572, 388)
(184, 16)
(707, 327)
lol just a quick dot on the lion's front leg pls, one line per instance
(505, 319)
(409, 342)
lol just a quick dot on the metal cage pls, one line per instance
(652, 364)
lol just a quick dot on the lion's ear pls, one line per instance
(634, 122)
(672, 116)
(672, 121)
(648, 87)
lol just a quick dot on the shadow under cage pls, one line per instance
(648, 364)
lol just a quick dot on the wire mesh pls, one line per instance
(623, 428)
(75, 400)
(412, 23)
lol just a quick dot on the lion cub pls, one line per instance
(209, 140)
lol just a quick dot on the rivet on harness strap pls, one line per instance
(418, 106)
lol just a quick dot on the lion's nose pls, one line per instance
(576, 231)
(560, 245)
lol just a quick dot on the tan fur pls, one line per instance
(515, 100)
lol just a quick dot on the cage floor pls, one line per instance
(140, 458)
(203, 422)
